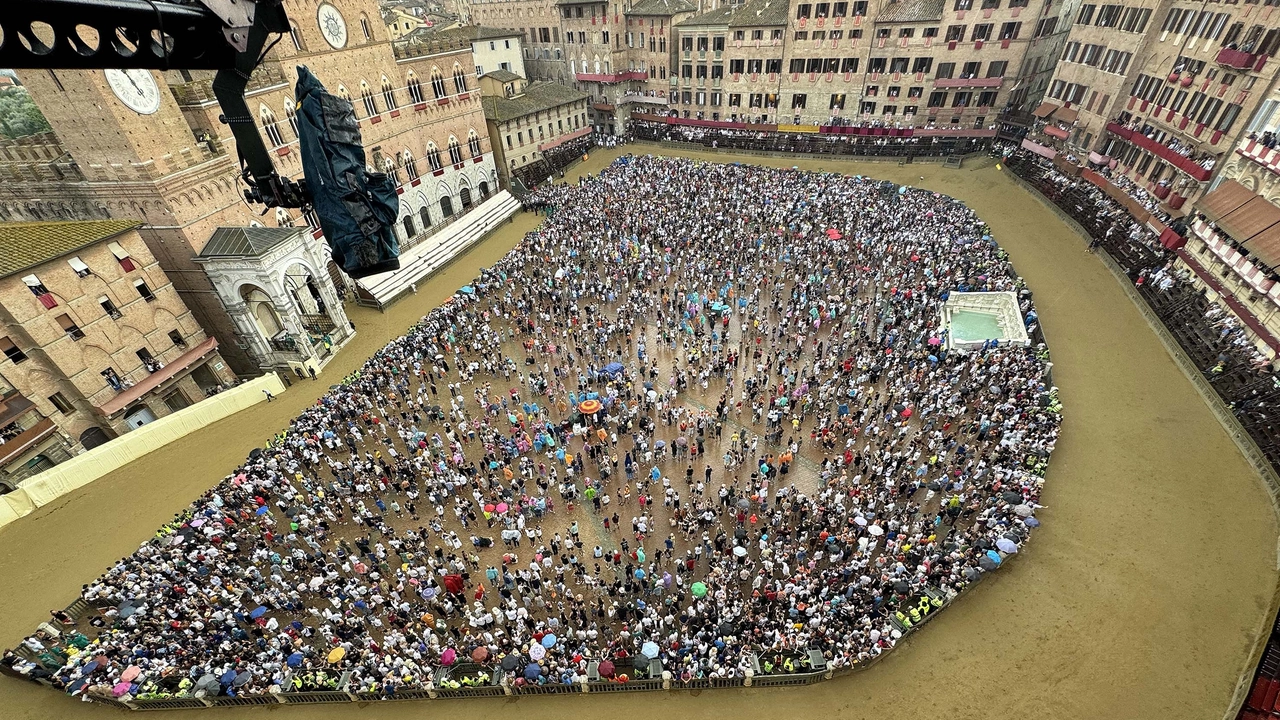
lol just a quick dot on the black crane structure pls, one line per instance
(229, 36)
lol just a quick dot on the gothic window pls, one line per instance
(269, 126)
(410, 166)
(473, 143)
(437, 84)
(388, 94)
(415, 89)
(455, 151)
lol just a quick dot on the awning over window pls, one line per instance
(1055, 131)
(118, 250)
(1250, 219)
(1228, 196)
(31, 281)
(1057, 112)
(78, 265)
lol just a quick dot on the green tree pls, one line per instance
(19, 115)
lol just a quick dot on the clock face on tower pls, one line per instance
(137, 89)
(332, 26)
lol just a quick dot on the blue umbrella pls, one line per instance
(613, 368)
(649, 649)
(1031, 522)
(639, 574)
(295, 660)
(258, 612)
(227, 677)
(548, 640)
(995, 556)
(90, 667)
(532, 671)
(468, 290)
(262, 510)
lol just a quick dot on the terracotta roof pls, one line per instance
(536, 98)
(27, 244)
(502, 75)
(469, 33)
(911, 11)
(661, 7)
(757, 13)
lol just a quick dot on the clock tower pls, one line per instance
(149, 145)
(139, 157)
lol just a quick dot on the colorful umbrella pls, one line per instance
(698, 589)
(548, 640)
(590, 407)
(448, 656)
(537, 652)
(337, 654)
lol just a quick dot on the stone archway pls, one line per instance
(261, 310)
(93, 437)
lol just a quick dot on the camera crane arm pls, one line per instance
(229, 36)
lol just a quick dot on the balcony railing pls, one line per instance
(612, 77)
(638, 98)
(1240, 60)
(1178, 160)
(992, 82)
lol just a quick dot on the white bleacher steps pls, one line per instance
(420, 261)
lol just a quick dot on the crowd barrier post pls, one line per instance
(666, 679)
(431, 690)
(586, 687)
(506, 686)
(748, 677)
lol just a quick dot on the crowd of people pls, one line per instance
(705, 415)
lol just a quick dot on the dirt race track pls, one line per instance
(1142, 596)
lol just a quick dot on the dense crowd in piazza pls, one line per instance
(704, 414)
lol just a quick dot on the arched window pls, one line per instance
(484, 189)
(473, 144)
(364, 26)
(465, 195)
(455, 151)
(388, 94)
(437, 84)
(410, 166)
(291, 116)
(389, 167)
(409, 229)
(366, 95)
(433, 156)
(446, 206)
(425, 217)
(282, 218)
(415, 89)
(459, 79)
(269, 126)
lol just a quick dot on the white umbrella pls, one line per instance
(860, 521)
(876, 530)
(1024, 510)
(740, 551)
(536, 651)
(1007, 545)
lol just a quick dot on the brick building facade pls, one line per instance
(949, 67)
(164, 159)
(93, 332)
